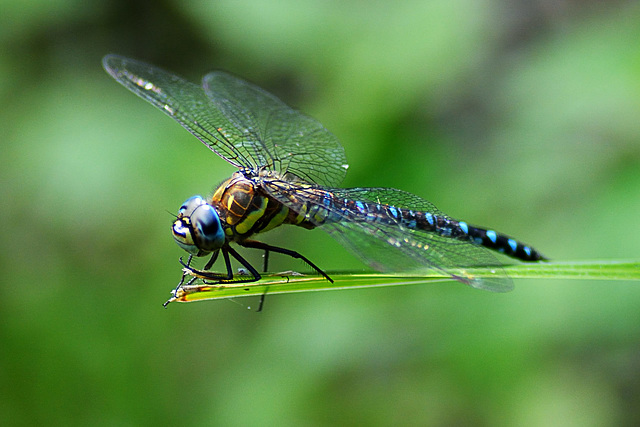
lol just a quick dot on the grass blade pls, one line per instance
(289, 282)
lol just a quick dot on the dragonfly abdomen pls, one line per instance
(502, 243)
(331, 208)
(460, 230)
(328, 207)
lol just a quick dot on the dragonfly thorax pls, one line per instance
(197, 229)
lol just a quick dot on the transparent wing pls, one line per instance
(392, 246)
(243, 124)
(183, 101)
(275, 133)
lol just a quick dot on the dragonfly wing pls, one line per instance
(183, 101)
(388, 245)
(240, 122)
(386, 248)
(277, 136)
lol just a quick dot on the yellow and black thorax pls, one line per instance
(245, 209)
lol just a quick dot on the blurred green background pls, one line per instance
(522, 116)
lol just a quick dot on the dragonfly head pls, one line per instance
(197, 228)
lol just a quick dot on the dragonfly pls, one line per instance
(289, 168)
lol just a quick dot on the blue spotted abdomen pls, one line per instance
(460, 230)
(329, 207)
(501, 243)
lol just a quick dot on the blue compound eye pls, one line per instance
(181, 231)
(197, 229)
(190, 205)
(207, 230)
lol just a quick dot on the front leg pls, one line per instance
(211, 277)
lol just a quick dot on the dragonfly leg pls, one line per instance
(181, 283)
(256, 275)
(211, 277)
(211, 261)
(261, 303)
(265, 261)
(206, 273)
(245, 263)
(293, 254)
(185, 274)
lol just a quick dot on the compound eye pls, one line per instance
(197, 229)
(190, 205)
(208, 234)
(183, 236)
